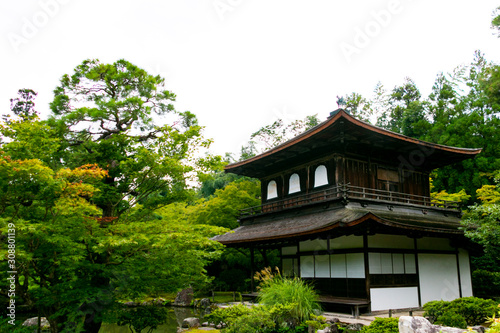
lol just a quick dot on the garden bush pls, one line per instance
(275, 289)
(227, 315)
(286, 305)
(472, 310)
(452, 319)
(382, 325)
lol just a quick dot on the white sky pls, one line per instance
(241, 64)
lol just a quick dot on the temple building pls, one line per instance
(348, 205)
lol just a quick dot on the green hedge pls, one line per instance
(382, 325)
(462, 312)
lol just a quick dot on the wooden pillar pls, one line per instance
(417, 271)
(367, 266)
(458, 274)
(252, 269)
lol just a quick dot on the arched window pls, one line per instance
(272, 190)
(294, 184)
(320, 176)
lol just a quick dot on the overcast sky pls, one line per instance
(241, 64)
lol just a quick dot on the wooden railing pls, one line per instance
(347, 191)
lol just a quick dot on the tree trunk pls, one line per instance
(90, 326)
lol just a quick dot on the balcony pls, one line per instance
(347, 191)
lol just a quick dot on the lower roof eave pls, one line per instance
(451, 231)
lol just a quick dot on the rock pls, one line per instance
(146, 303)
(131, 304)
(334, 328)
(421, 325)
(159, 301)
(34, 322)
(409, 324)
(480, 329)
(356, 327)
(184, 297)
(191, 322)
(204, 303)
(325, 330)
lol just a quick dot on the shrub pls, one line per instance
(143, 318)
(452, 319)
(275, 289)
(257, 320)
(382, 325)
(317, 322)
(435, 309)
(475, 310)
(227, 315)
(472, 310)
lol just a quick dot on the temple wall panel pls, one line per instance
(438, 277)
(465, 273)
(393, 298)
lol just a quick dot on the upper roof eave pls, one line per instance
(341, 114)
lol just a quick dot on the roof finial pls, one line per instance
(341, 102)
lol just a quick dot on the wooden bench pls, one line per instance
(354, 303)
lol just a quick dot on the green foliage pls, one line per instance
(265, 319)
(495, 22)
(143, 318)
(290, 291)
(452, 319)
(223, 208)
(382, 325)
(481, 225)
(462, 110)
(278, 132)
(227, 315)
(83, 190)
(358, 106)
(494, 324)
(486, 284)
(317, 322)
(258, 320)
(469, 310)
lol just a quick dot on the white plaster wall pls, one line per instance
(434, 243)
(289, 250)
(355, 263)
(390, 242)
(410, 265)
(322, 266)
(307, 266)
(465, 277)
(347, 242)
(438, 277)
(338, 265)
(393, 298)
(313, 245)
